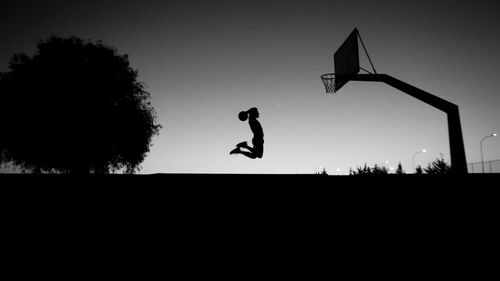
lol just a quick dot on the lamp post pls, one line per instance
(481, 146)
(413, 158)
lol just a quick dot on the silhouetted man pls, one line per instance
(258, 135)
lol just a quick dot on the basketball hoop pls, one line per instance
(329, 82)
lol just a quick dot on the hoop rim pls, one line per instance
(328, 76)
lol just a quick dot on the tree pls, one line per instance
(366, 170)
(74, 107)
(438, 167)
(378, 170)
(362, 171)
(419, 170)
(399, 170)
(323, 172)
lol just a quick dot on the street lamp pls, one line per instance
(413, 158)
(481, 146)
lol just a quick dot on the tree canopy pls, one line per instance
(438, 167)
(74, 107)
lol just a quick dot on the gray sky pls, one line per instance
(204, 61)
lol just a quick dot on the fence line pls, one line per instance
(491, 166)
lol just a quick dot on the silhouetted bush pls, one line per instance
(376, 170)
(74, 107)
(360, 171)
(323, 172)
(438, 167)
(399, 170)
(419, 170)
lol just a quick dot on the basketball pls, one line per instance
(243, 115)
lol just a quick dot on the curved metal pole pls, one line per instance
(413, 159)
(481, 146)
(457, 151)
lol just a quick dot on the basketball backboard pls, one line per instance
(346, 60)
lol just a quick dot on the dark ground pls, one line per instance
(248, 180)
(270, 197)
(274, 189)
(305, 226)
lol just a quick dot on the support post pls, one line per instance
(457, 150)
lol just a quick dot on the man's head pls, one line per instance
(253, 112)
